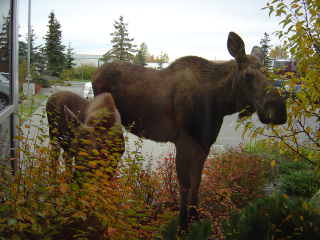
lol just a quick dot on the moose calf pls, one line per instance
(84, 130)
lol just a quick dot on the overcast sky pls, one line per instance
(177, 27)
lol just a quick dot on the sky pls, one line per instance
(177, 27)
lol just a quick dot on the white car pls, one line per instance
(88, 91)
(4, 90)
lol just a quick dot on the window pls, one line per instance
(8, 81)
(5, 53)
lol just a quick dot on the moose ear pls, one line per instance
(236, 47)
(71, 119)
(257, 52)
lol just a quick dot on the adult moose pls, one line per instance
(186, 102)
(77, 125)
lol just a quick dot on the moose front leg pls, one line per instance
(195, 177)
(183, 174)
(189, 163)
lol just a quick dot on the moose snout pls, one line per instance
(275, 112)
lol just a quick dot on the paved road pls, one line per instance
(228, 137)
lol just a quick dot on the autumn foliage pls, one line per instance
(137, 203)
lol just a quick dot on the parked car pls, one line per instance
(283, 66)
(284, 86)
(88, 91)
(4, 90)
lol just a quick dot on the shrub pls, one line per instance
(40, 204)
(303, 183)
(83, 72)
(198, 231)
(234, 175)
(67, 74)
(274, 218)
(289, 166)
(229, 181)
(265, 150)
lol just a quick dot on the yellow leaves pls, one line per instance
(63, 188)
(288, 217)
(54, 130)
(110, 232)
(19, 138)
(305, 205)
(86, 141)
(80, 214)
(273, 163)
(99, 173)
(42, 149)
(83, 154)
(95, 152)
(295, 5)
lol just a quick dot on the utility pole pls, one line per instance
(28, 78)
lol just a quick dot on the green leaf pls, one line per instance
(12, 221)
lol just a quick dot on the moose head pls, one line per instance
(253, 89)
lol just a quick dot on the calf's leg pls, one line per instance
(54, 156)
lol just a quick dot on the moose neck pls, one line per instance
(227, 96)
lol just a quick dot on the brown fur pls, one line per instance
(73, 119)
(186, 102)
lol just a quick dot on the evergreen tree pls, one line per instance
(122, 47)
(163, 58)
(4, 39)
(141, 57)
(54, 50)
(37, 56)
(23, 51)
(69, 58)
(265, 47)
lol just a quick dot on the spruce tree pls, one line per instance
(4, 39)
(54, 50)
(69, 58)
(37, 57)
(163, 58)
(141, 57)
(23, 51)
(265, 47)
(122, 47)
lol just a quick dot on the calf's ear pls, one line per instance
(71, 119)
(236, 47)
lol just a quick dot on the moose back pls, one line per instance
(186, 102)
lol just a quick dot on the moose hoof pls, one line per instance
(193, 214)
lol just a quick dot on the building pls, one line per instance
(8, 82)
(87, 59)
